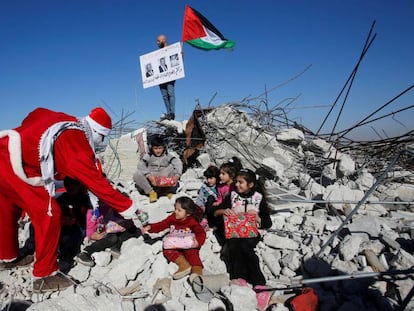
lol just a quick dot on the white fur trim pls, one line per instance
(97, 127)
(15, 152)
(130, 212)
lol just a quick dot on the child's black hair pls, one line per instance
(212, 171)
(157, 140)
(250, 177)
(232, 167)
(73, 186)
(189, 206)
(70, 182)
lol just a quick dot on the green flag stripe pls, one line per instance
(201, 44)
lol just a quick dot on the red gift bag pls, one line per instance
(243, 225)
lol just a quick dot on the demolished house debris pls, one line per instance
(342, 213)
(337, 227)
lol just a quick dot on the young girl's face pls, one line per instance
(225, 177)
(242, 185)
(211, 181)
(180, 213)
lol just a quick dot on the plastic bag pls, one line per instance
(307, 300)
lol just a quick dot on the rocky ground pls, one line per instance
(337, 227)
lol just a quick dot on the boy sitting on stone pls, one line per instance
(158, 171)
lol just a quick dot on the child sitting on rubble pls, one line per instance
(242, 261)
(106, 229)
(228, 171)
(186, 236)
(208, 188)
(158, 171)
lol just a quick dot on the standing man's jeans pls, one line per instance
(168, 95)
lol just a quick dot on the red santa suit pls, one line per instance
(25, 186)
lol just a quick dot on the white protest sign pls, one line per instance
(162, 65)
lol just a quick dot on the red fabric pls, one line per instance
(240, 226)
(192, 26)
(73, 158)
(100, 116)
(192, 255)
(16, 195)
(306, 301)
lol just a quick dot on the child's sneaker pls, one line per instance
(85, 259)
(195, 272)
(153, 197)
(263, 297)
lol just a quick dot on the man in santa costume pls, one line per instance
(47, 147)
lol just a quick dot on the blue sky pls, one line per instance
(74, 55)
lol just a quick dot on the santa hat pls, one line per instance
(100, 121)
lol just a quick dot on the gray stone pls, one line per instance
(280, 242)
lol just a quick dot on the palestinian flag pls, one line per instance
(200, 33)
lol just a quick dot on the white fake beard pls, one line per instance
(97, 138)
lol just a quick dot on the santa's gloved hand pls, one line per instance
(137, 222)
(131, 212)
(141, 219)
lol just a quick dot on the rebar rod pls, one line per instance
(362, 201)
(339, 201)
(332, 278)
(360, 275)
(374, 112)
(349, 78)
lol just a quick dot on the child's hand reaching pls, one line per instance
(145, 229)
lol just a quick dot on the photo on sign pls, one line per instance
(162, 65)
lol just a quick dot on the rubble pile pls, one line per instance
(337, 228)
(377, 238)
